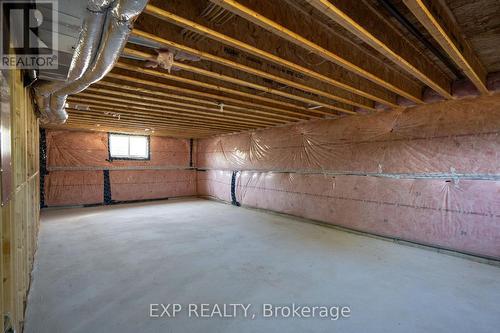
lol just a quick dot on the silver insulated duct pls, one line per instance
(85, 50)
(98, 51)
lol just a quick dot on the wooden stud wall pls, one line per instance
(20, 215)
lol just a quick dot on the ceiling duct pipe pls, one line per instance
(85, 51)
(121, 17)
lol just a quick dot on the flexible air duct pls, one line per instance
(122, 15)
(85, 51)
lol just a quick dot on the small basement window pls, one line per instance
(129, 147)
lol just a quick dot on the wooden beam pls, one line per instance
(342, 54)
(93, 121)
(218, 117)
(153, 118)
(439, 21)
(240, 112)
(93, 100)
(96, 120)
(311, 102)
(128, 129)
(362, 21)
(168, 76)
(222, 77)
(151, 121)
(100, 119)
(213, 113)
(103, 106)
(105, 126)
(246, 47)
(216, 99)
(237, 66)
(75, 126)
(101, 103)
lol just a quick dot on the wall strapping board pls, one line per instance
(77, 160)
(20, 215)
(428, 174)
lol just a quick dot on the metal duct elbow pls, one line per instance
(85, 51)
(123, 13)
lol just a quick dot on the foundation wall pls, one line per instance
(80, 171)
(428, 174)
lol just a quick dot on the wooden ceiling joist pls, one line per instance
(310, 102)
(99, 119)
(97, 100)
(272, 63)
(165, 75)
(130, 129)
(137, 128)
(146, 125)
(193, 102)
(180, 107)
(108, 107)
(216, 99)
(229, 79)
(98, 116)
(344, 54)
(370, 27)
(227, 40)
(440, 23)
(165, 105)
(154, 120)
(250, 70)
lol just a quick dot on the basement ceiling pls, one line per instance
(70, 18)
(247, 64)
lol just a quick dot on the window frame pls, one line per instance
(116, 158)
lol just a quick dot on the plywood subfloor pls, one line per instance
(98, 269)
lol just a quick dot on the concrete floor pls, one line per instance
(99, 269)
